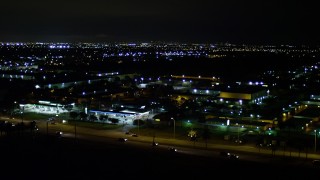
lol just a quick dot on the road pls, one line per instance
(246, 152)
(87, 132)
(66, 159)
(248, 155)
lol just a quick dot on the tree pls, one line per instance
(103, 118)
(206, 134)
(113, 120)
(83, 115)
(193, 135)
(33, 126)
(138, 122)
(73, 115)
(93, 117)
(202, 118)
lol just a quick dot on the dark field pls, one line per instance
(53, 158)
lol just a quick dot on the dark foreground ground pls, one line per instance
(23, 157)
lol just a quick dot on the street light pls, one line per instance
(138, 126)
(75, 130)
(22, 111)
(47, 127)
(174, 128)
(315, 140)
(238, 131)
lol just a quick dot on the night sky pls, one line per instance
(198, 21)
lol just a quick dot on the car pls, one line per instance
(127, 132)
(239, 141)
(224, 154)
(134, 135)
(122, 139)
(233, 157)
(59, 134)
(172, 149)
(155, 144)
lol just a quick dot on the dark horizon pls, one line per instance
(307, 45)
(246, 22)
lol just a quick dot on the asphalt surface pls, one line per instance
(26, 156)
(100, 155)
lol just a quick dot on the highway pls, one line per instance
(97, 154)
(246, 152)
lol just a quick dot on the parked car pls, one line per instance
(122, 139)
(229, 155)
(224, 154)
(233, 157)
(172, 149)
(239, 141)
(59, 134)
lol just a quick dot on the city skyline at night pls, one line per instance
(142, 89)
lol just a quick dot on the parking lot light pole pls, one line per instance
(75, 130)
(238, 131)
(315, 140)
(174, 128)
(47, 127)
(22, 112)
(138, 126)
